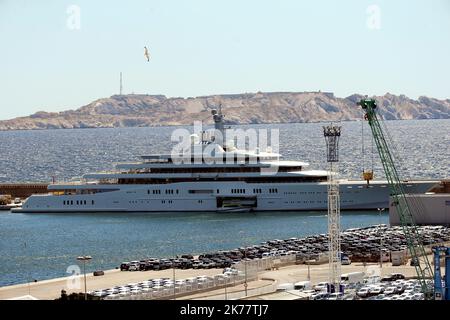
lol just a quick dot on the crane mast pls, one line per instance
(410, 230)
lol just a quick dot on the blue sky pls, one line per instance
(202, 47)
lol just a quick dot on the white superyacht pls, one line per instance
(226, 179)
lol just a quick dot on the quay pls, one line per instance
(430, 208)
(256, 271)
(51, 289)
(23, 190)
(265, 283)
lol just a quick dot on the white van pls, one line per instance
(303, 285)
(352, 277)
(372, 280)
(285, 286)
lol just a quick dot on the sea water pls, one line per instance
(43, 246)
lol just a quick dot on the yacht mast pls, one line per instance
(219, 127)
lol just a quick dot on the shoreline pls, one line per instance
(208, 124)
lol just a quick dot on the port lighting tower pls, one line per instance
(84, 259)
(332, 134)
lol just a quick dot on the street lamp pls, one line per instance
(171, 244)
(226, 285)
(381, 238)
(309, 273)
(84, 259)
(245, 266)
(174, 280)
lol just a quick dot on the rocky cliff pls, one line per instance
(261, 107)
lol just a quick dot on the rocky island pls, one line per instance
(137, 110)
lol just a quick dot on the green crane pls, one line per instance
(410, 230)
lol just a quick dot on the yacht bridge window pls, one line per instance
(211, 169)
(201, 191)
(259, 179)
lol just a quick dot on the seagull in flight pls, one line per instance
(146, 54)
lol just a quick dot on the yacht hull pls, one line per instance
(209, 196)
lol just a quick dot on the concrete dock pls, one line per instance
(51, 289)
(431, 208)
(266, 281)
(261, 274)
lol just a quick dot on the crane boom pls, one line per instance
(410, 230)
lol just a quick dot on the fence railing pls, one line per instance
(246, 271)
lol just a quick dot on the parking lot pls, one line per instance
(367, 244)
(169, 288)
(163, 278)
(400, 289)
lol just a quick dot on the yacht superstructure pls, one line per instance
(223, 179)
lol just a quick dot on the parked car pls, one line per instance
(228, 269)
(226, 263)
(191, 280)
(399, 289)
(134, 266)
(397, 276)
(155, 265)
(414, 262)
(196, 264)
(390, 290)
(352, 277)
(185, 264)
(345, 260)
(124, 266)
(142, 265)
(336, 296)
(165, 264)
(318, 296)
(363, 292)
(418, 296)
(209, 264)
(387, 279)
(176, 263)
(376, 290)
(302, 285)
(285, 286)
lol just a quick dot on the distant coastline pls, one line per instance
(142, 110)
